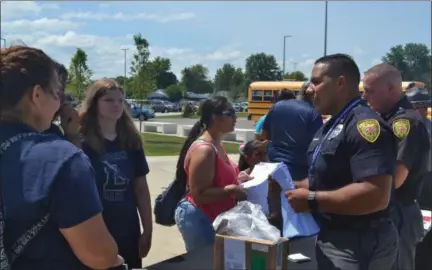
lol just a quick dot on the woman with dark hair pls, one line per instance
(50, 212)
(211, 177)
(115, 149)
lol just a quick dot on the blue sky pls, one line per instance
(214, 33)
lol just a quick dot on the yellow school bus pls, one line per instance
(261, 95)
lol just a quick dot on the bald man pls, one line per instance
(383, 90)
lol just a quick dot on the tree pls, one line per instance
(262, 67)
(143, 74)
(175, 91)
(296, 76)
(164, 76)
(79, 74)
(195, 79)
(413, 61)
(229, 78)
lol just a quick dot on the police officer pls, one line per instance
(420, 99)
(352, 160)
(383, 90)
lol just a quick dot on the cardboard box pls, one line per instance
(238, 253)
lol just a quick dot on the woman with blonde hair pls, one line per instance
(50, 212)
(115, 149)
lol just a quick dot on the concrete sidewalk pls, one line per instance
(167, 241)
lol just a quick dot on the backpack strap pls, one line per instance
(17, 248)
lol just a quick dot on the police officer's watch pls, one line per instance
(313, 205)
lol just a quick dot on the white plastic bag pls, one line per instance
(247, 220)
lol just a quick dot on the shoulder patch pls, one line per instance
(369, 129)
(401, 128)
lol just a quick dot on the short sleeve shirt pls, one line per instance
(259, 124)
(361, 145)
(44, 174)
(413, 147)
(291, 125)
(116, 171)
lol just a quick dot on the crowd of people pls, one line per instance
(72, 196)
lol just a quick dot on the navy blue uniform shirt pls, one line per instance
(413, 147)
(291, 125)
(40, 175)
(116, 170)
(360, 146)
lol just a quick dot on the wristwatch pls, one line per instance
(313, 205)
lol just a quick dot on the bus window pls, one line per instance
(268, 95)
(257, 95)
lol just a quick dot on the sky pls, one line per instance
(214, 33)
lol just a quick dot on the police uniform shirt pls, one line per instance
(413, 147)
(361, 145)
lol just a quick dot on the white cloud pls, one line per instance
(129, 17)
(106, 57)
(41, 24)
(19, 9)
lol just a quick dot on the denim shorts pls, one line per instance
(194, 225)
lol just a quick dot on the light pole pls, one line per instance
(125, 67)
(325, 28)
(284, 45)
(4, 42)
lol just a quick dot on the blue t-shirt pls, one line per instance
(259, 124)
(116, 170)
(45, 174)
(291, 125)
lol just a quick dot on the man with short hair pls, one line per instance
(383, 90)
(290, 125)
(351, 166)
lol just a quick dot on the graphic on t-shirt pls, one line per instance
(116, 183)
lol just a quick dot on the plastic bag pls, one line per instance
(247, 220)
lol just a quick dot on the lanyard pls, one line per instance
(335, 123)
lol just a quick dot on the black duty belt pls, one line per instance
(356, 224)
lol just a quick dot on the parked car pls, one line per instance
(162, 106)
(237, 107)
(143, 113)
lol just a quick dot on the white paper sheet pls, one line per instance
(257, 188)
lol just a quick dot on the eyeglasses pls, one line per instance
(229, 112)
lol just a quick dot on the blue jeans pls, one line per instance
(194, 225)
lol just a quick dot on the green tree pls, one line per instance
(143, 74)
(79, 74)
(296, 76)
(413, 61)
(262, 67)
(175, 91)
(229, 78)
(195, 79)
(164, 76)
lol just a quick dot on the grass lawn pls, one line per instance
(165, 145)
(239, 114)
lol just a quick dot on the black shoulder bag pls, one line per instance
(7, 258)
